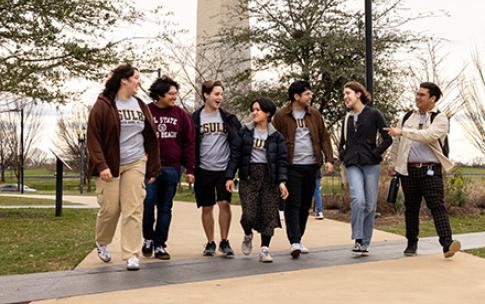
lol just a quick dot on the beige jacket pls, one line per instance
(429, 134)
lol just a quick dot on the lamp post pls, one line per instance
(368, 48)
(81, 136)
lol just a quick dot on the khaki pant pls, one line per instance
(123, 195)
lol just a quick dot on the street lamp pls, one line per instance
(81, 136)
(368, 47)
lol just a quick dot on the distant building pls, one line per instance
(216, 61)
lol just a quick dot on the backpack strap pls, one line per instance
(346, 120)
(406, 117)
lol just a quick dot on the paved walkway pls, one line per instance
(328, 274)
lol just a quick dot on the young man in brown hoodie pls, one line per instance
(307, 138)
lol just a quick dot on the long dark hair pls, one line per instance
(357, 87)
(113, 83)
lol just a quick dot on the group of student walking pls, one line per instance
(137, 151)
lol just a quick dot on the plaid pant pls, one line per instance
(416, 186)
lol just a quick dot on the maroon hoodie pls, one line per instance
(176, 135)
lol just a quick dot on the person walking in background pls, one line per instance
(317, 196)
(307, 138)
(123, 150)
(361, 155)
(260, 155)
(419, 155)
(176, 136)
(215, 130)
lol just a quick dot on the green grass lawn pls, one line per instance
(27, 201)
(459, 224)
(34, 240)
(478, 252)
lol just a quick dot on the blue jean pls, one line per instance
(363, 184)
(160, 194)
(317, 196)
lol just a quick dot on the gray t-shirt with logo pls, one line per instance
(421, 152)
(214, 145)
(303, 153)
(258, 152)
(132, 124)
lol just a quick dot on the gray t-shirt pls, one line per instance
(303, 153)
(132, 124)
(421, 152)
(258, 153)
(214, 146)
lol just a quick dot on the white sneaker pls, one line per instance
(133, 263)
(303, 249)
(265, 256)
(103, 252)
(282, 215)
(295, 250)
(319, 216)
(247, 244)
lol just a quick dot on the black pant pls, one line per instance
(301, 185)
(416, 186)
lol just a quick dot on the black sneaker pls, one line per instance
(451, 249)
(210, 249)
(147, 248)
(411, 249)
(226, 249)
(162, 253)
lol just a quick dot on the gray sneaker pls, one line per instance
(265, 256)
(226, 249)
(357, 249)
(365, 250)
(210, 249)
(103, 252)
(247, 244)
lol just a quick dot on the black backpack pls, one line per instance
(445, 147)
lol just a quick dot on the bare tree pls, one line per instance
(11, 128)
(430, 67)
(472, 94)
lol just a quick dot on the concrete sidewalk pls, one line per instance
(329, 274)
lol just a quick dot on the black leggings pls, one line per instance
(265, 239)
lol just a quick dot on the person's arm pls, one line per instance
(93, 137)
(188, 144)
(325, 141)
(342, 143)
(437, 130)
(235, 146)
(386, 138)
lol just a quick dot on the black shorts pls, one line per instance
(207, 185)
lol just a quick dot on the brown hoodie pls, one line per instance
(103, 139)
(284, 122)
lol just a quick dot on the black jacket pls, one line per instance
(276, 152)
(361, 148)
(230, 121)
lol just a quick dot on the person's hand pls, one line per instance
(106, 175)
(393, 131)
(229, 185)
(391, 171)
(151, 180)
(283, 191)
(328, 168)
(190, 178)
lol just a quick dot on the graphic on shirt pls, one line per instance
(213, 128)
(165, 123)
(129, 117)
(258, 143)
(300, 123)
